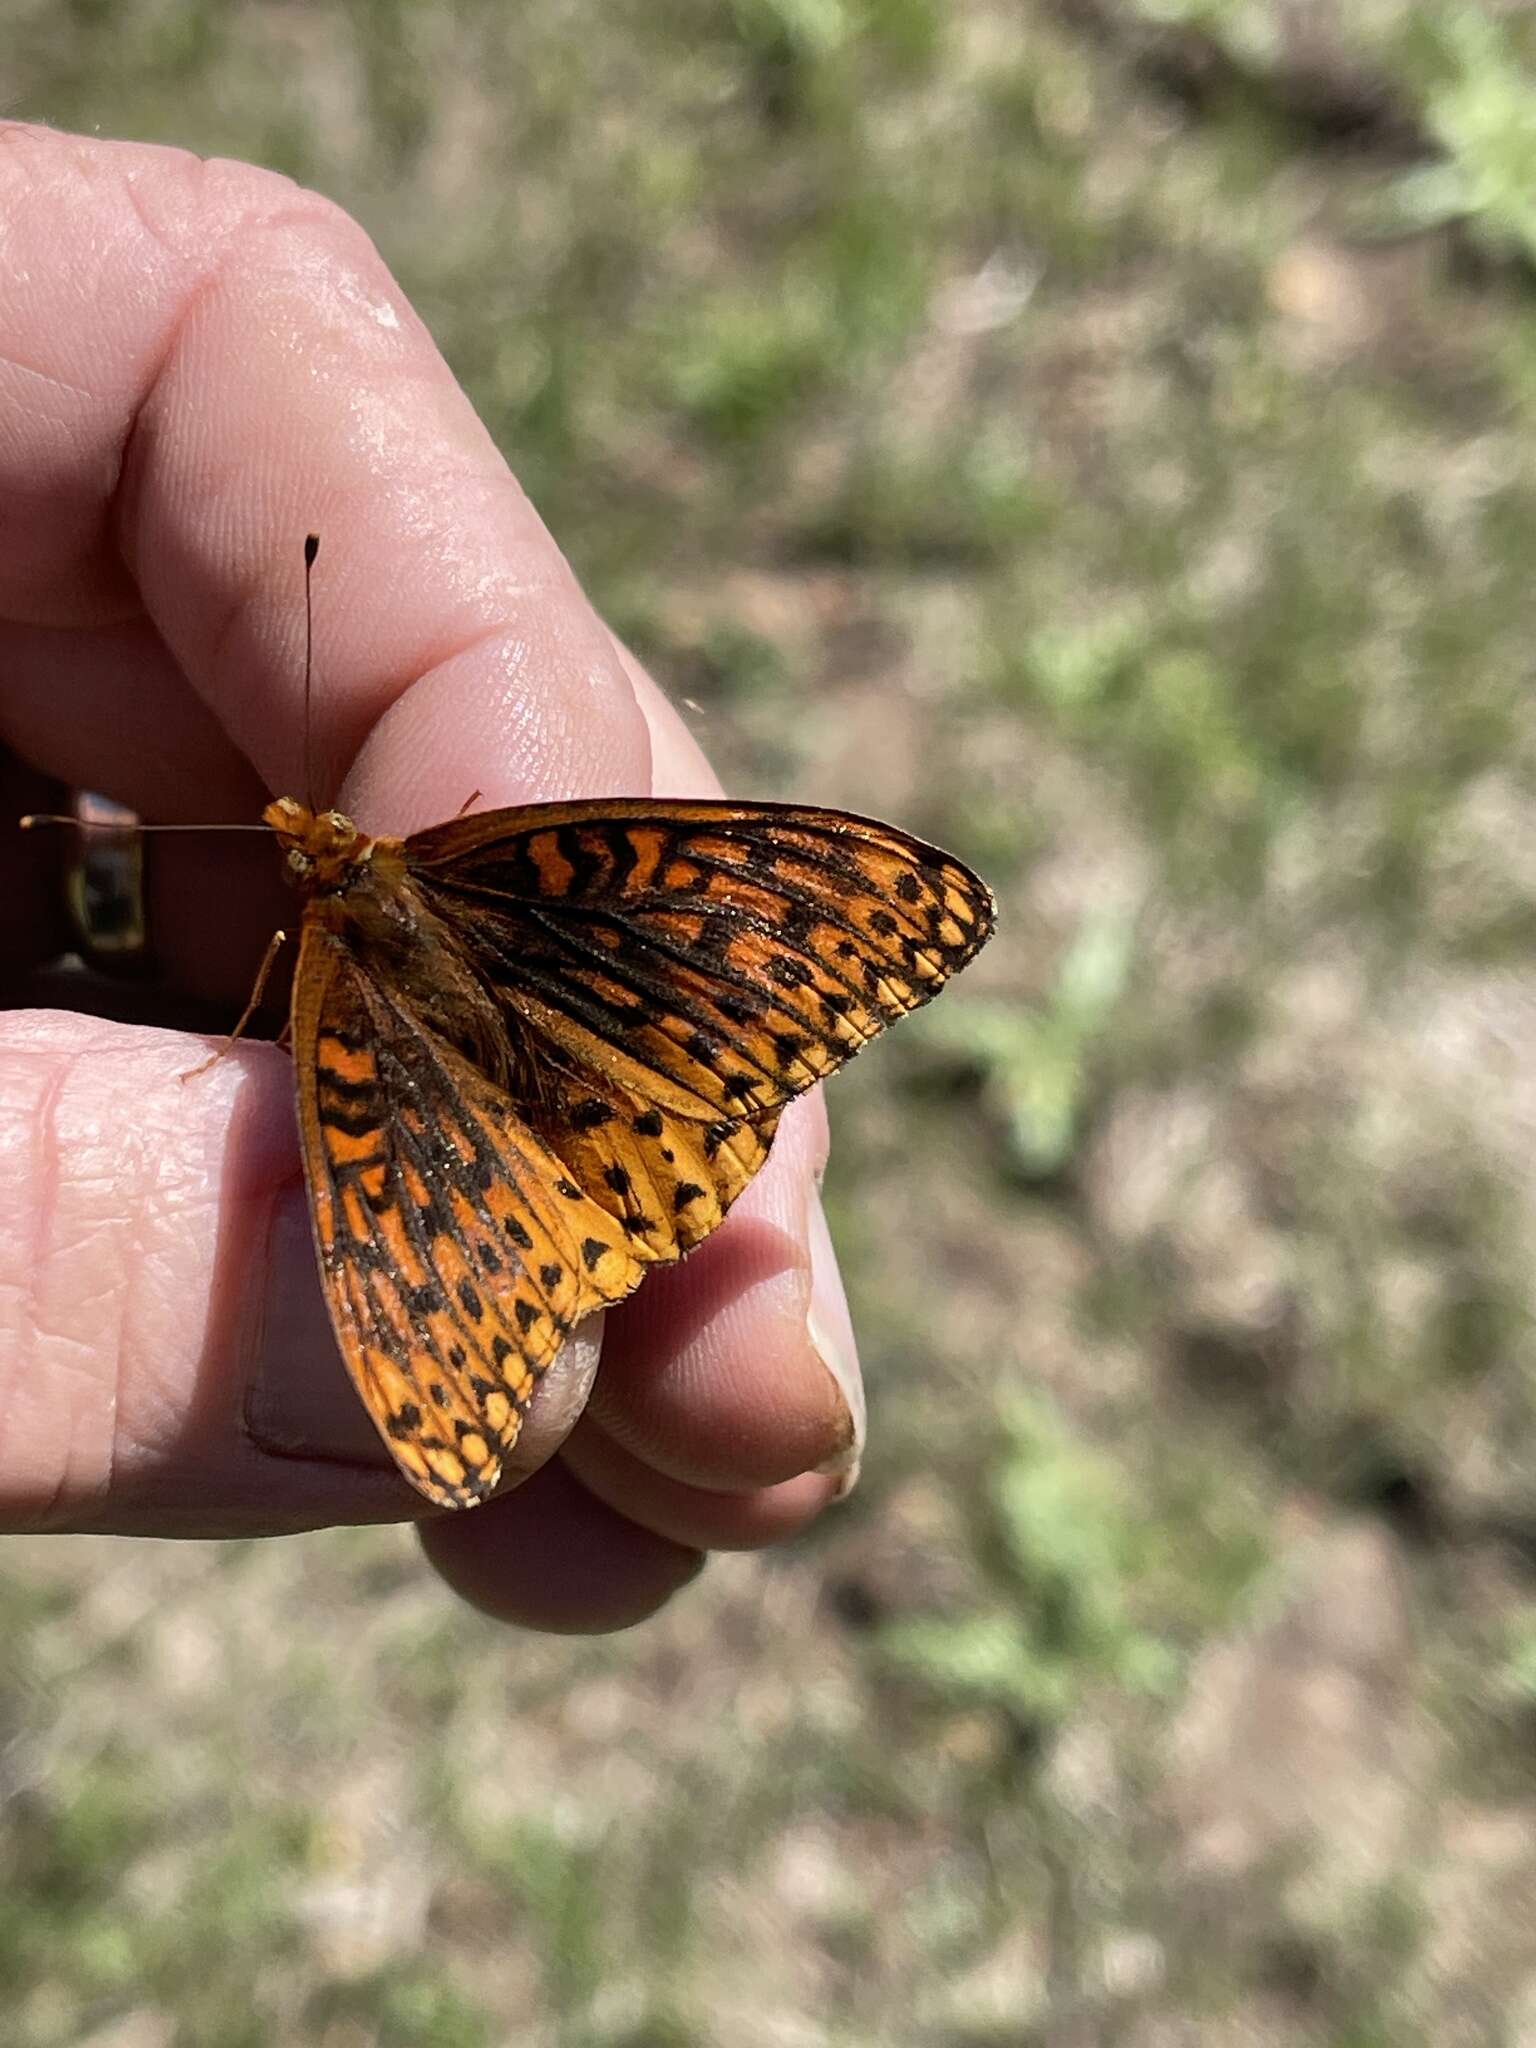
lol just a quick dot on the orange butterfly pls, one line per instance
(538, 1049)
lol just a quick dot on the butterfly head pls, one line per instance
(323, 848)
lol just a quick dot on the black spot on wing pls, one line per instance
(352, 1123)
(789, 971)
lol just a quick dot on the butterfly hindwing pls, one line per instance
(667, 1180)
(456, 1251)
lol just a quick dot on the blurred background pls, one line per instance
(1096, 434)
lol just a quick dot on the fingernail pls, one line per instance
(830, 1330)
(299, 1399)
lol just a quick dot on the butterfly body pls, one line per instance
(324, 850)
(539, 1049)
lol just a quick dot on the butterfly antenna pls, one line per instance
(34, 821)
(311, 549)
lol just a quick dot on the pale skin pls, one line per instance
(199, 364)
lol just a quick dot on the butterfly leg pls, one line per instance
(472, 798)
(263, 975)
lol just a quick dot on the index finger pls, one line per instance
(209, 363)
(256, 375)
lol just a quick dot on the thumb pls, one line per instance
(166, 1362)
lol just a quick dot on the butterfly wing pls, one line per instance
(687, 968)
(666, 1180)
(455, 1251)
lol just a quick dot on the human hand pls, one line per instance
(199, 364)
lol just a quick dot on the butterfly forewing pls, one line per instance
(710, 959)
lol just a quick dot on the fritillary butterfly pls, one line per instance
(539, 1049)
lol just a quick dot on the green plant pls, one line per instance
(1061, 1549)
(1036, 1062)
(1483, 113)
